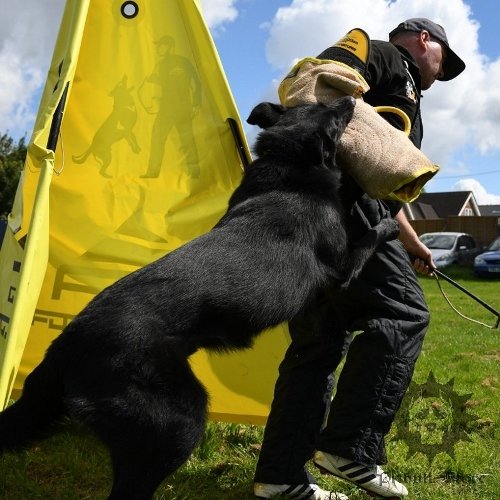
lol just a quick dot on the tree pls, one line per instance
(12, 157)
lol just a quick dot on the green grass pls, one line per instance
(462, 356)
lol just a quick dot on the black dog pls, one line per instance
(121, 366)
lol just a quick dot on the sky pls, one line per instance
(259, 40)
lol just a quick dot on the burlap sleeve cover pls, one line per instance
(381, 158)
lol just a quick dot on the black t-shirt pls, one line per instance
(394, 80)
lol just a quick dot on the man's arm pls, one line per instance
(423, 262)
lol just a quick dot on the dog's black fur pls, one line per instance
(121, 366)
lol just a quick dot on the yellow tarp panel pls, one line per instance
(11, 348)
(147, 161)
(24, 252)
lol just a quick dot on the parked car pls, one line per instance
(488, 263)
(451, 248)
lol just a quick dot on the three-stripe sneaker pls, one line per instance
(372, 479)
(300, 491)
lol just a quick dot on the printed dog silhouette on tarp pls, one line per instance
(117, 126)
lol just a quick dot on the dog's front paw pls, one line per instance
(390, 228)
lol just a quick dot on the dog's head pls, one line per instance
(308, 132)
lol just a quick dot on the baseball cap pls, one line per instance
(453, 65)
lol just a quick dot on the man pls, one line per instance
(385, 304)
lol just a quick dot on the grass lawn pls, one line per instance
(444, 444)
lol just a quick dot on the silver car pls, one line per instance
(450, 248)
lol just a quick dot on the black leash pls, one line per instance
(439, 274)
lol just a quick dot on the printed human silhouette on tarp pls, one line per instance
(119, 125)
(172, 92)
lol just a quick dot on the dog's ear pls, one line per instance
(266, 114)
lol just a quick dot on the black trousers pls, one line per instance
(386, 305)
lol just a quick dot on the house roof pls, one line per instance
(422, 211)
(490, 209)
(446, 203)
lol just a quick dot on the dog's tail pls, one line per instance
(40, 406)
(81, 158)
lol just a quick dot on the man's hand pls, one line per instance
(423, 262)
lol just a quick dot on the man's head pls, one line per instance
(428, 44)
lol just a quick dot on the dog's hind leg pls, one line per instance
(143, 457)
(151, 427)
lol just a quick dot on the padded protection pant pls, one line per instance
(387, 306)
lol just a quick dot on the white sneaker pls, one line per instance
(301, 491)
(372, 479)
